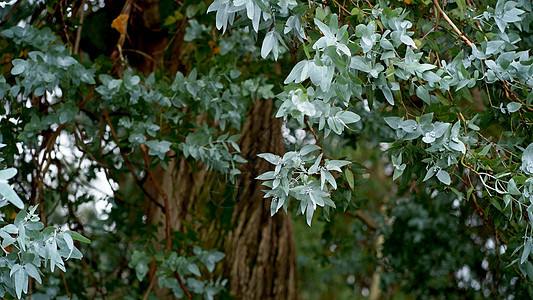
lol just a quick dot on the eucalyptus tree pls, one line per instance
(219, 125)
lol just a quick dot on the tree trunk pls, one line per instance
(260, 258)
(260, 254)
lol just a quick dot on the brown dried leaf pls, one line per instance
(120, 23)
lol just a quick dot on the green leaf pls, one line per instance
(423, 94)
(304, 151)
(19, 66)
(78, 237)
(348, 117)
(137, 138)
(274, 159)
(506, 199)
(360, 64)
(388, 94)
(33, 272)
(336, 165)
(407, 40)
(270, 44)
(462, 6)
(512, 188)
(266, 176)
(309, 214)
(295, 74)
(10, 195)
(158, 148)
(492, 46)
(320, 13)
(21, 281)
(66, 61)
(525, 252)
(326, 176)
(429, 174)
(495, 203)
(67, 112)
(456, 192)
(469, 193)
(398, 172)
(527, 160)
(88, 77)
(393, 122)
(529, 269)
(444, 177)
(139, 261)
(193, 268)
(348, 175)
(485, 150)
(7, 174)
(513, 107)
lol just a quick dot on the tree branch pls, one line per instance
(127, 162)
(80, 27)
(310, 128)
(163, 194)
(4, 21)
(152, 281)
(445, 16)
(365, 218)
(187, 293)
(65, 284)
(168, 241)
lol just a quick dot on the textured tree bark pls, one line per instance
(260, 248)
(260, 258)
(260, 254)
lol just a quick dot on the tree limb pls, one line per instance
(4, 21)
(445, 16)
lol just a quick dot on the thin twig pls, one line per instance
(495, 144)
(65, 28)
(425, 35)
(65, 284)
(187, 293)
(368, 220)
(4, 21)
(510, 94)
(48, 145)
(513, 97)
(168, 241)
(80, 27)
(310, 128)
(91, 278)
(343, 8)
(370, 4)
(140, 53)
(152, 281)
(115, 137)
(445, 16)
(126, 9)
(127, 162)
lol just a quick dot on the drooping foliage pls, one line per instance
(407, 128)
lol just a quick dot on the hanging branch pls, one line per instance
(127, 162)
(168, 240)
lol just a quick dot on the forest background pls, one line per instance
(265, 149)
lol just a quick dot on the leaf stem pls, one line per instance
(310, 128)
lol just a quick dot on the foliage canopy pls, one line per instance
(407, 126)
